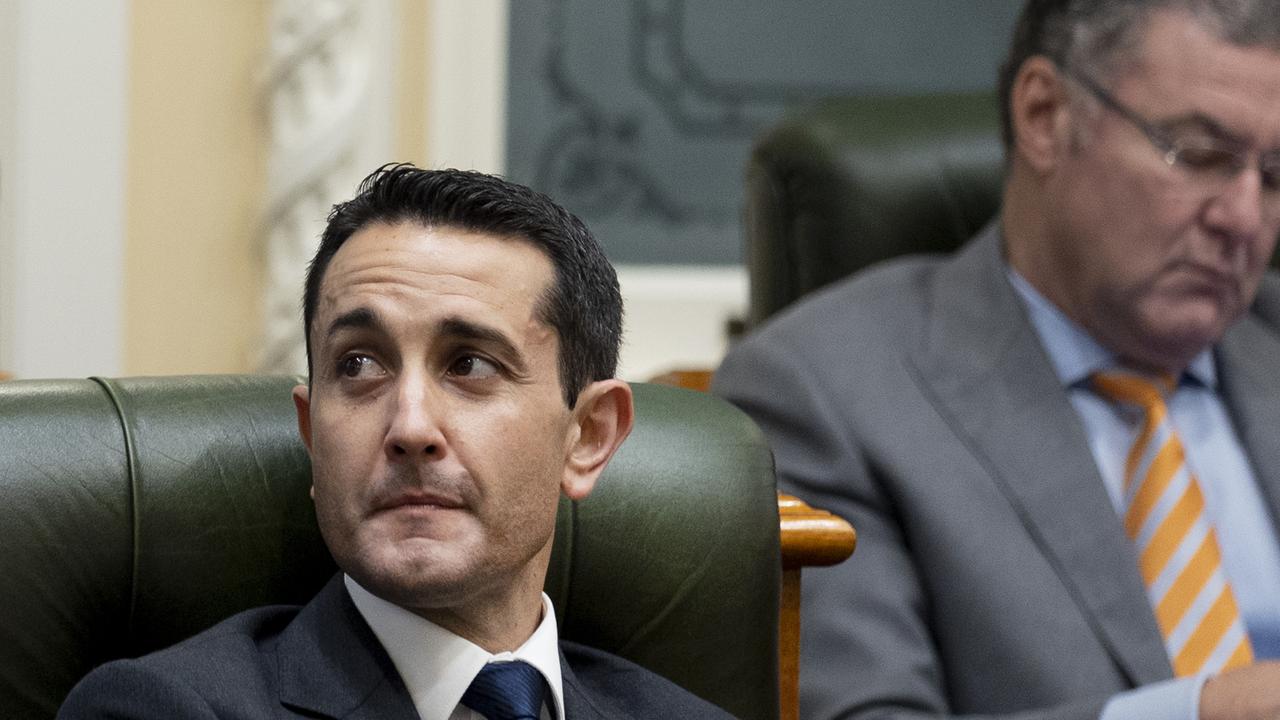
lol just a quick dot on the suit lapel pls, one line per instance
(578, 703)
(985, 369)
(1251, 389)
(331, 664)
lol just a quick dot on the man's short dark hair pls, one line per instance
(1096, 37)
(583, 304)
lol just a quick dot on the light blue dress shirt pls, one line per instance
(1233, 502)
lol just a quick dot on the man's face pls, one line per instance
(435, 420)
(1155, 264)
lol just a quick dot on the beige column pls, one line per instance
(196, 177)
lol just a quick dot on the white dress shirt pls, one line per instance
(438, 666)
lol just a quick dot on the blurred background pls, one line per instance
(166, 165)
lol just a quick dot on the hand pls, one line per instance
(1247, 693)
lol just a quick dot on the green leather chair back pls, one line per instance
(141, 511)
(853, 181)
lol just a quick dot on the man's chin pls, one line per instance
(415, 570)
(1174, 339)
(1195, 303)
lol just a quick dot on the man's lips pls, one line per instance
(417, 499)
(1210, 276)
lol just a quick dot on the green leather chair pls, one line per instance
(140, 511)
(852, 181)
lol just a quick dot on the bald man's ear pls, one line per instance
(1040, 114)
(602, 419)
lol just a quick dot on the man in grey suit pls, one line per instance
(1061, 446)
(462, 333)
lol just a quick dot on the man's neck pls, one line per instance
(496, 629)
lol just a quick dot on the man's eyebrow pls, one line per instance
(459, 328)
(360, 317)
(1204, 123)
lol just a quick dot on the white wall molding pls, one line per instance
(62, 186)
(467, 85)
(8, 144)
(677, 315)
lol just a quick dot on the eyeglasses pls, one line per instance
(1200, 157)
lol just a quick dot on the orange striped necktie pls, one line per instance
(1178, 554)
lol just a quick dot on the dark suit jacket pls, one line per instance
(992, 574)
(322, 660)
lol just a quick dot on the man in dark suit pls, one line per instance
(462, 334)
(1060, 447)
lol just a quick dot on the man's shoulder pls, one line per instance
(230, 662)
(883, 311)
(246, 634)
(898, 287)
(619, 688)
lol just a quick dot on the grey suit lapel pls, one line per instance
(331, 664)
(1251, 389)
(984, 367)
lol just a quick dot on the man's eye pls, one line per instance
(354, 366)
(473, 366)
(1209, 159)
(1271, 171)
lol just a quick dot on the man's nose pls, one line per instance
(1240, 210)
(415, 430)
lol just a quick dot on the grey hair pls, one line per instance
(1098, 37)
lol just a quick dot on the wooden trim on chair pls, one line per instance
(810, 537)
(690, 379)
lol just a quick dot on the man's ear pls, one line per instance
(302, 403)
(602, 419)
(1040, 114)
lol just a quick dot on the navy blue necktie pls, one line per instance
(507, 691)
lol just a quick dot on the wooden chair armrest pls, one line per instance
(810, 537)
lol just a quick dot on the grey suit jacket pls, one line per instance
(322, 660)
(992, 575)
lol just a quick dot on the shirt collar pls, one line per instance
(1074, 353)
(438, 666)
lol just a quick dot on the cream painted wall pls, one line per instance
(196, 177)
(198, 172)
(411, 81)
